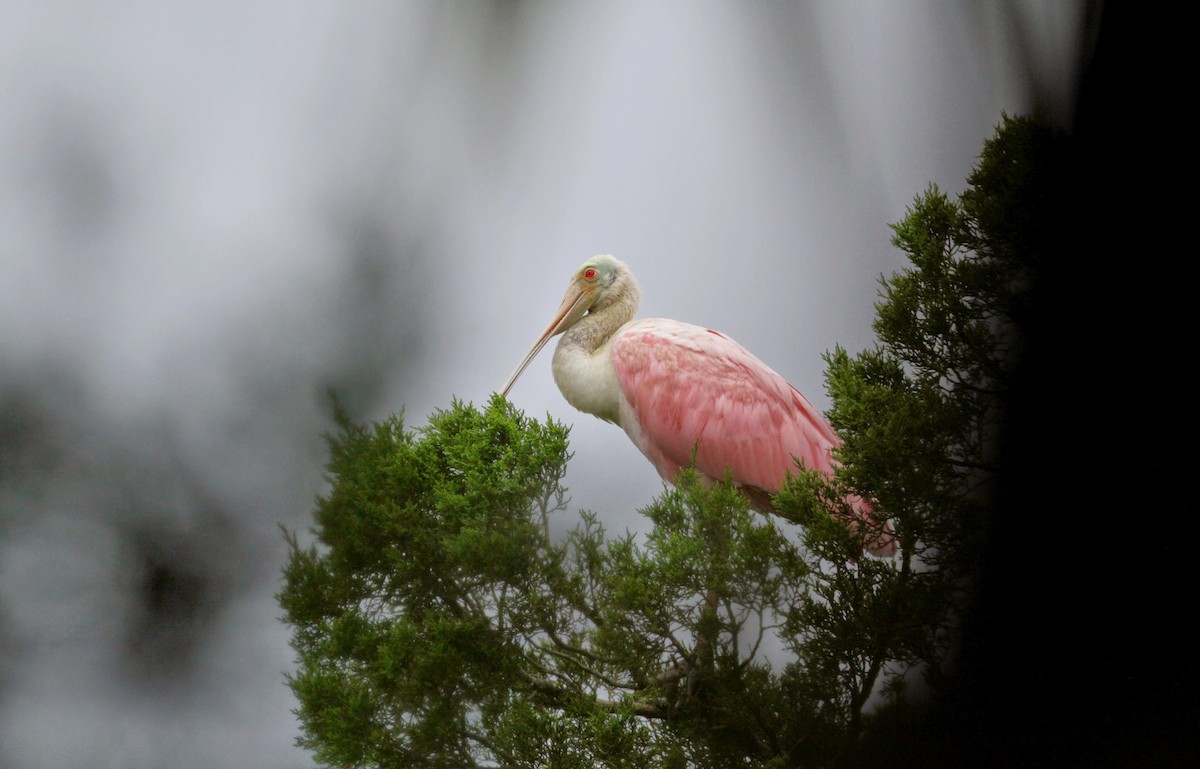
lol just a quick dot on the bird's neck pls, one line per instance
(583, 368)
(593, 330)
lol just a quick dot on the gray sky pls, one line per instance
(211, 213)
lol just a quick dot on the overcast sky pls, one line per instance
(211, 214)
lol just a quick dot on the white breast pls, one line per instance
(587, 380)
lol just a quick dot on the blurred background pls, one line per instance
(212, 215)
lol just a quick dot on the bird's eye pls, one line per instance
(589, 273)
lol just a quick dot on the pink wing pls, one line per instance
(689, 388)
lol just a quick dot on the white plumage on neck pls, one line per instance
(583, 367)
(585, 374)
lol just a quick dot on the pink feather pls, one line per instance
(690, 388)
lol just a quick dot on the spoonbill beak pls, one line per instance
(574, 305)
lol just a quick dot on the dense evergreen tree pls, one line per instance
(438, 624)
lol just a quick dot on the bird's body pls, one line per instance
(675, 387)
(679, 389)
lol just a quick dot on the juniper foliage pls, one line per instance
(437, 623)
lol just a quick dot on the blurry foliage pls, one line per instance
(437, 624)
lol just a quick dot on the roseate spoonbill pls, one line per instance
(674, 388)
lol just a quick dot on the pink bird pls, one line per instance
(674, 388)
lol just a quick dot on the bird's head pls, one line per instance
(601, 282)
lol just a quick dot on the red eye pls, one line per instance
(589, 273)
